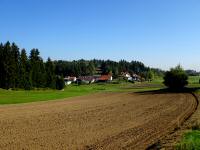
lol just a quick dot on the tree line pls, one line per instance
(90, 67)
(19, 70)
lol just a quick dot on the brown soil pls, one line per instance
(99, 121)
(170, 141)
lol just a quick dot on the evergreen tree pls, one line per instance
(25, 81)
(90, 68)
(37, 71)
(50, 74)
(77, 69)
(83, 67)
(14, 65)
(59, 83)
(1, 65)
(115, 72)
(7, 63)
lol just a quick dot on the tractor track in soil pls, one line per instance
(97, 121)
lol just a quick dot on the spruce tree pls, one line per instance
(60, 83)
(7, 66)
(1, 65)
(37, 71)
(50, 74)
(25, 81)
(90, 68)
(14, 65)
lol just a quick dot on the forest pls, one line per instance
(28, 71)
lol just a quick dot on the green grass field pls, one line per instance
(21, 96)
(194, 81)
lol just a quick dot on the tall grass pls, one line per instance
(191, 139)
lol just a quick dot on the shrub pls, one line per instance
(176, 78)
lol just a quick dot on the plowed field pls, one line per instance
(98, 121)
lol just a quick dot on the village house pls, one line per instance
(105, 78)
(69, 80)
(136, 77)
(127, 76)
(86, 79)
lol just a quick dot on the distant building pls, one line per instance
(129, 77)
(105, 78)
(69, 80)
(136, 77)
(87, 79)
(125, 74)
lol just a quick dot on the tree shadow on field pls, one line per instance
(168, 90)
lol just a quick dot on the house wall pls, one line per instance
(68, 82)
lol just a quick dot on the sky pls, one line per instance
(160, 33)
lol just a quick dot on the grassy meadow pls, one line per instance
(21, 96)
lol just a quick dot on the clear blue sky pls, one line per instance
(160, 33)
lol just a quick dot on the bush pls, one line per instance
(176, 78)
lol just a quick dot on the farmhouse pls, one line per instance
(131, 77)
(69, 80)
(105, 78)
(127, 76)
(86, 79)
(136, 77)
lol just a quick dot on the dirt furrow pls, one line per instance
(99, 121)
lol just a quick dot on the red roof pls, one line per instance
(105, 77)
